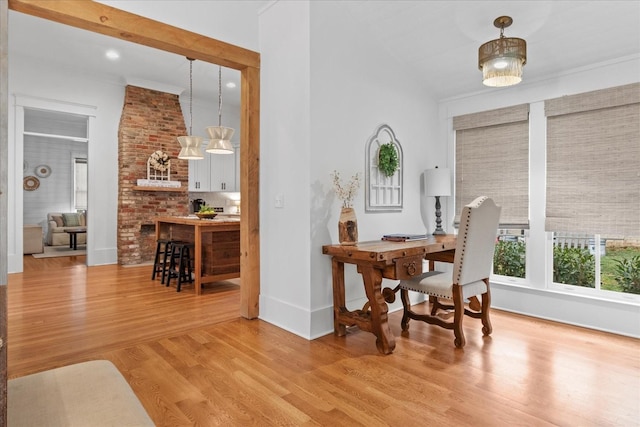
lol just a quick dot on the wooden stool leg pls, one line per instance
(172, 264)
(181, 267)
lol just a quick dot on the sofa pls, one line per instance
(32, 239)
(58, 223)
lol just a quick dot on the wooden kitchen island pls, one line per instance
(217, 245)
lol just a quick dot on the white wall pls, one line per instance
(318, 111)
(285, 138)
(535, 300)
(30, 79)
(55, 193)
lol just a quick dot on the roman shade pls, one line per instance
(492, 159)
(593, 162)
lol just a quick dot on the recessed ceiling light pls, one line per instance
(231, 85)
(112, 54)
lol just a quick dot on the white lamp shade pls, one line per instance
(190, 148)
(437, 182)
(220, 142)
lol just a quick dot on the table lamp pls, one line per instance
(437, 183)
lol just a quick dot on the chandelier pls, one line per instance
(501, 60)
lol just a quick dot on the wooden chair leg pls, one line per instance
(486, 307)
(458, 304)
(406, 307)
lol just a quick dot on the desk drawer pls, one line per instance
(407, 268)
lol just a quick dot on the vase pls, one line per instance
(348, 227)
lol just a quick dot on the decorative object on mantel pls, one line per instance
(158, 171)
(220, 142)
(30, 183)
(190, 144)
(501, 60)
(437, 183)
(347, 224)
(383, 175)
(43, 171)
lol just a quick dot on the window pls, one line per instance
(80, 184)
(510, 257)
(593, 189)
(492, 159)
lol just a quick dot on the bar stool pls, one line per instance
(180, 263)
(160, 259)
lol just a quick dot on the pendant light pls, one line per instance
(190, 144)
(501, 60)
(220, 142)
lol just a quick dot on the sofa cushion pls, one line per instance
(58, 220)
(71, 219)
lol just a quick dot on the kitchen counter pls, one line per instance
(216, 245)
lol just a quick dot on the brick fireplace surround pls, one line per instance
(150, 121)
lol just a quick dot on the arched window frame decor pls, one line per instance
(382, 193)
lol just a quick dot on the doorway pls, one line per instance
(52, 143)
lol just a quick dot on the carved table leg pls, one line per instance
(339, 302)
(379, 318)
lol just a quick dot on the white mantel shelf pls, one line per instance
(165, 189)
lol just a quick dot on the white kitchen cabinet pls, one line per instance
(199, 174)
(216, 172)
(237, 160)
(223, 172)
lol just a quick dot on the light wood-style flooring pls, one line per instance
(192, 361)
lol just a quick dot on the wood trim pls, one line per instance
(113, 22)
(250, 192)
(110, 21)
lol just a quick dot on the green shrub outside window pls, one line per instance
(509, 258)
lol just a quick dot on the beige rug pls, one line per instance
(88, 394)
(56, 251)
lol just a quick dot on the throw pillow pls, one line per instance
(58, 220)
(83, 220)
(71, 219)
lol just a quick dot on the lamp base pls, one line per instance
(438, 231)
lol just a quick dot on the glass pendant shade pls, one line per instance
(191, 148)
(220, 142)
(502, 60)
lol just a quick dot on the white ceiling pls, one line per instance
(437, 41)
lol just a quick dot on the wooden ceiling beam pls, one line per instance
(104, 19)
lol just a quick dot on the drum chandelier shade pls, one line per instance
(190, 145)
(501, 60)
(220, 142)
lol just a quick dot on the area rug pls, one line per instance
(92, 393)
(56, 251)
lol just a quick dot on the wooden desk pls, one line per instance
(375, 260)
(216, 245)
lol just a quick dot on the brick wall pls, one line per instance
(150, 121)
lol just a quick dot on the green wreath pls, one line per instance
(388, 159)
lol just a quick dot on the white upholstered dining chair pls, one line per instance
(471, 269)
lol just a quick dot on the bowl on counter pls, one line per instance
(206, 215)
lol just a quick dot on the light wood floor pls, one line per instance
(192, 361)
